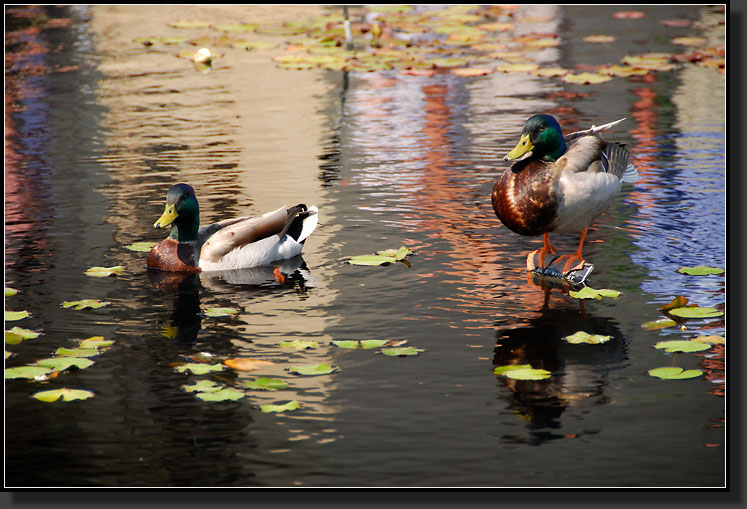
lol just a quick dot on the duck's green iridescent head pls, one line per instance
(181, 212)
(543, 137)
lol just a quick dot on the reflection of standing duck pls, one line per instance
(561, 187)
(230, 244)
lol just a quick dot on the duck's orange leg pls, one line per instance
(536, 259)
(576, 260)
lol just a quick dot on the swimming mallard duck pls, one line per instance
(561, 186)
(230, 244)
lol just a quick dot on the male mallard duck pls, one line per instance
(230, 244)
(561, 187)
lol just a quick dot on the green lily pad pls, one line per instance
(590, 293)
(349, 344)
(8, 354)
(104, 271)
(682, 346)
(299, 343)
(12, 316)
(10, 292)
(585, 337)
(198, 368)
(368, 344)
(659, 324)
(291, 405)
(63, 363)
(501, 370)
(95, 342)
(27, 372)
(143, 247)
(713, 340)
(76, 352)
(266, 384)
(700, 270)
(528, 374)
(237, 27)
(218, 312)
(65, 394)
(11, 338)
(317, 369)
(203, 386)
(228, 394)
(85, 303)
(674, 373)
(25, 333)
(395, 352)
(382, 257)
(696, 312)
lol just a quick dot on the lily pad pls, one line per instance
(10, 292)
(501, 370)
(21, 334)
(585, 337)
(237, 27)
(714, 339)
(469, 72)
(198, 368)
(85, 303)
(27, 372)
(528, 374)
(349, 344)
(299, 343)
(65, 394)
(8, 355)
(312, 370)
(674, 373)
(590, 293)
(76, 352)
(63, 363)
(382, 257)
(628, 15)
(508, 68)
(368, 344)
(659, 324)
(11, 338)
(12, 316)
(291, 405)
(104, 271)
(586, 78)
(218, 312)
(189, 24)
(228, 394)
(696, 312)
(203, 386)
(266, 384)
(682, 346)
(599, 38)
(700, 270)
(246, 363)
(95, 342)
(144, 247)
(396, 352)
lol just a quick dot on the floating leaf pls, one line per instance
(299, 343)
(95, 342)
(351, 345)
(27, 372)
(700, 270)
(418, 72)
(696, 312)
(246, 363)
(469, 72)
(599, 38)
(76, 352)
(628, 15)
(236, 27)
(63, 363)
(690, 41)
(399, 254)
(140, 246)
(65, 394)
(8, 354)
(266, 384)
(368, 344)
(586, 78)
(203, 386)
(317, 369)
(517, 68)
(395, 352)
(104, 271)
(228, 394)
(198, 368)
(623, 70)
(291, 405)
(551, 71)
(682, 346)
(189, 24)
(501, 370)
(678, 302)
(22, 334)
(714, 340)
(10, 292)
(659, 324)
(11, 316)
(674, 373)
(448, 62)
(218, 312)
(585, 337)
(528, 374)
(11, 338)
(496, 27)
(679, 23)
(590, 293)
(85, 303)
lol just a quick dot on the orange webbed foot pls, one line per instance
(536, 259)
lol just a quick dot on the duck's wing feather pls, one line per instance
(591, 132)
(593, 154)
(225, 236)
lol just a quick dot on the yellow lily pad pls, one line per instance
(586, 78)
(104, 271)
(508, 68)
(247, 364)
(599, 38)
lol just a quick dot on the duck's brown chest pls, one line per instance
(524, 198)
(173, 256)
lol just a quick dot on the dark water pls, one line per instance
(93, 142)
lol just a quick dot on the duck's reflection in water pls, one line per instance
(579, 371)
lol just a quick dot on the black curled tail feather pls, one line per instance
(294, 225)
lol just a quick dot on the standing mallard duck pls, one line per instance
(230, 244)
(561, 186)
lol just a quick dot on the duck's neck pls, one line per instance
(553, 144)
(185, 231)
